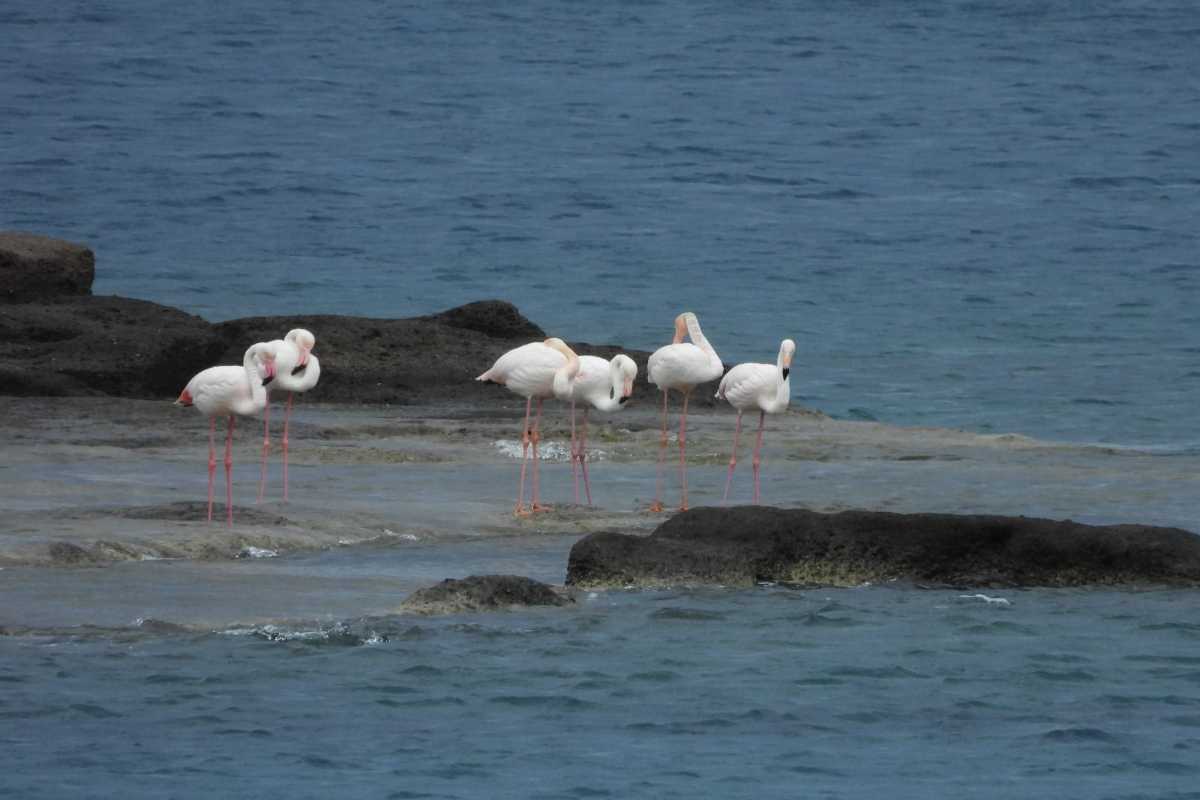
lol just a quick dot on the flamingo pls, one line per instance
(764, 386)
(533, 371)
(681, 366)
(297, 371)
(603, 385)
(229, 391)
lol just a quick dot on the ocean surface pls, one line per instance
(979, 214)
(967, 214)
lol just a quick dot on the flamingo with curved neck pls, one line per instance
(297, 371)
(681, 366)
(766, 387)
(532, 371)
(604, 386)
(232, 392)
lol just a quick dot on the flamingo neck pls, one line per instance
(698, 338)
(565, 375)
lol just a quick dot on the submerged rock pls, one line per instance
(482, 593)
(36, 267)
(744, 545)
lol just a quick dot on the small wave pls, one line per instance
(991, 601)
(1079, 735)
(547, 451)
(556, 701)
(686, 614)
(257, 552)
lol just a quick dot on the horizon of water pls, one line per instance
(965, 213)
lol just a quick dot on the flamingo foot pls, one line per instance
(539, 508)
(656, 507)
(522, 511)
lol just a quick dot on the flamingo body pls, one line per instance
(681, 366)
(231, 392)
(766, 387)
(297, 370)
(603, 385)
(533, 371)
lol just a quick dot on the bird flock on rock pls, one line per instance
(536, 371)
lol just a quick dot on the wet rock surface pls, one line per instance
(740, 546)
(37, 267)
(482, 593)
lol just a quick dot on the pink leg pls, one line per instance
(683, 454)
(583, 457)
(733, 458)
(662, 459)
(525, 439)
(537, 437)
(762, 420)
(262, 475)
(286, 419)
(574, 453)
(212, 461)
(229, 474)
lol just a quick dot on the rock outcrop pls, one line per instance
(744, 545)
(34, 267)
(482, 593)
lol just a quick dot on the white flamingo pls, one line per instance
(229, 391)
(532, 371)
(604, 386)
(297, 371)
(681, 366)
(766, 387)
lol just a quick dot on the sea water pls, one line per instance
(966, 214)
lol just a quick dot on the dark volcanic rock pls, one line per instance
(482, 593)
(35, 267)
(496, 318)
(101, 345)
(739, 546)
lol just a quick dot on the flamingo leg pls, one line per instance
(286, 419)
(520, 509)
(662, 459)
(762, 420)
(683, 454)
(733, 458)
(574, 453)
(212, 461)
(537, 437)
(262, 475)
(229, 474)
(583, 457)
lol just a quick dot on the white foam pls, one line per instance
(257, 552)
(993, 601)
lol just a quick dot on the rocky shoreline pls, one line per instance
(57, 339)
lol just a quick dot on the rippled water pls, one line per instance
(844, 693)
(966, 213)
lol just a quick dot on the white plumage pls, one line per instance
(229, 391)
(681, 366)
(766, 387)
(533, 371)
(296, 371)
(603, 385)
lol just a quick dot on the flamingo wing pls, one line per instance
(744, 385)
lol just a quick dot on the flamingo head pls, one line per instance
(627, 369)
(681, 326)
(787, 348)
(265, 354)
(304, 342)
(185, 398)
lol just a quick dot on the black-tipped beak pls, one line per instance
(624, 400)
(786, 370)
(297, 370)
(268, 380)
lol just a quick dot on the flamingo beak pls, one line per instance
(786, 370)
(270, 365)
(628, 390)
(185, 398)
(302, 364)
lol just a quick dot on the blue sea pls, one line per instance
(978, 215)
